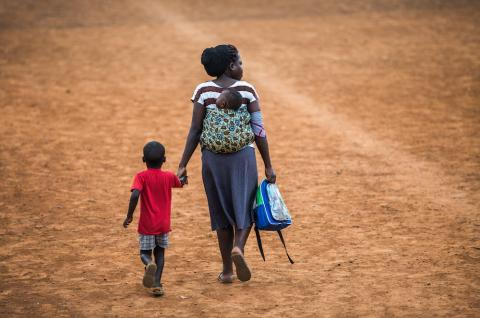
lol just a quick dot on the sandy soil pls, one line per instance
(372, 110)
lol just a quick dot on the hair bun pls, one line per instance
(208, 56)
(215, 60)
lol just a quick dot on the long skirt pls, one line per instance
(230, 182)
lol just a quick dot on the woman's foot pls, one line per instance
(149, 276)
(225, 278)
(243, 271)
(158, 291)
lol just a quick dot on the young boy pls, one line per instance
(155, 188)
(229, 99)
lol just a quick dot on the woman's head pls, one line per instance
(222, 59)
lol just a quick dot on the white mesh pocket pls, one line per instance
(277, 205)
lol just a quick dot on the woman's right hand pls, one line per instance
(182, 172)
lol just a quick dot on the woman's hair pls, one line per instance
(215, 60)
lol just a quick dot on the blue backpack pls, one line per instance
(270, 214)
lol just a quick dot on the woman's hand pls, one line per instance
(270, 175)
(181, 172)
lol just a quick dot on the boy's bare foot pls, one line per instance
(225, 279)
(243, 271)
(158, 291)
(149, 276)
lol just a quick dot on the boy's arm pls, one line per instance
(131, 207)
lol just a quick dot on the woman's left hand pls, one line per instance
(270, 175)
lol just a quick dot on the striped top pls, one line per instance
(207, 93)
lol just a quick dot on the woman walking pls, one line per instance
(230, 180)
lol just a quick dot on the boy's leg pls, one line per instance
(150, 268)
(146, 256)
(225, 242)
(159, 253)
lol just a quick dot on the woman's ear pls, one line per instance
(231, 66)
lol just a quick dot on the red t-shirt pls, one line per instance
(155, 188)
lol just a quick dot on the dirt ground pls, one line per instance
(372, 110)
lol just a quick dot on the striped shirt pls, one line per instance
(207, 93)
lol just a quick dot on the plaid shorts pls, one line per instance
(148, 242)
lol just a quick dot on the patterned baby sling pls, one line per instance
(226, 130)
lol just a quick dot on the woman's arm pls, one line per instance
(262, 145)
(192, 139)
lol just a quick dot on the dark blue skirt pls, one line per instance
(230, 182)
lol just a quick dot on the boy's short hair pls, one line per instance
(234, 99)
(154, 153)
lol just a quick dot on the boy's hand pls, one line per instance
(127, 221)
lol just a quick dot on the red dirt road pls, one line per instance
(372, 112)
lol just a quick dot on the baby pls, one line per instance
(229, 99)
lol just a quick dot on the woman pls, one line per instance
(230, 180)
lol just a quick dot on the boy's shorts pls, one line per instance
(148, 242)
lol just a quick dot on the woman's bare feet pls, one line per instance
(243, 271)
(225, 278)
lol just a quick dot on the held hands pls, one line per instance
(270, 175)
(127, 221)
(182, 174)
(183, 180)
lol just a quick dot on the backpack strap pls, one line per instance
(285, 246)
(259, 242)
(260, 246)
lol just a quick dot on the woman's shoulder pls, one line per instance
(243, 83)
(206, 86)
(210, 85)
(204, 89)
(246, 87)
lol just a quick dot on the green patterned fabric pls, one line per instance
(226, 130)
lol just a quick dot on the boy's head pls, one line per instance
(229, 99)
(154, 154)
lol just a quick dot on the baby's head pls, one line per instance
(153, 154)
(229, 99)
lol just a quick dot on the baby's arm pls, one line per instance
(131, 207)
